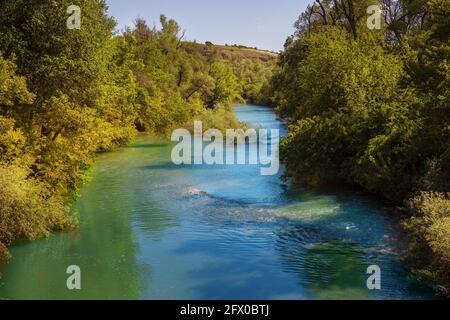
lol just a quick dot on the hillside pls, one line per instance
(230, 51)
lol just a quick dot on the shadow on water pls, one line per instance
(328, 270)
(336, 268)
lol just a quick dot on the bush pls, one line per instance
(220, 118)
(4, 254)
(429, 229)
(342, 101)
(27, 209)
(373, 111)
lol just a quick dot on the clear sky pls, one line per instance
(256, 23)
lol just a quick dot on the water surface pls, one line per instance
(153, 230)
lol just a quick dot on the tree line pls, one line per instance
(370, 108)
(66, 94)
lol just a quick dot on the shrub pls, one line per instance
(27, 209)
(429, 229)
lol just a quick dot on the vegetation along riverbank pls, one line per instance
(370, 107)
(67, 94)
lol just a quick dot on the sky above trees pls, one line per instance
(257, 23)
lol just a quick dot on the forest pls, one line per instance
(66, 95)
(370, 108)
(367, 107)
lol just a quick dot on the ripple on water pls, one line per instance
(153, 230)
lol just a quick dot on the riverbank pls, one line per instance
(154, 230)
(81, 95)
(371, 109)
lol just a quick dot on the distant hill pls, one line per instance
(230, 51)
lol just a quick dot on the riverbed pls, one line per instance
(152, 230)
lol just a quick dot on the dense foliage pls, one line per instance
(254, 77)
(371, 108)
(429, 227)
(68, 93)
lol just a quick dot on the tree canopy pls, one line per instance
(68, 93)
(370, 108)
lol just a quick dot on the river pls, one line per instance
(152, 230)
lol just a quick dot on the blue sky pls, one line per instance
(257, 23)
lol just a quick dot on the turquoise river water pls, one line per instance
(152, 230)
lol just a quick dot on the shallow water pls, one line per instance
(153, 230)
